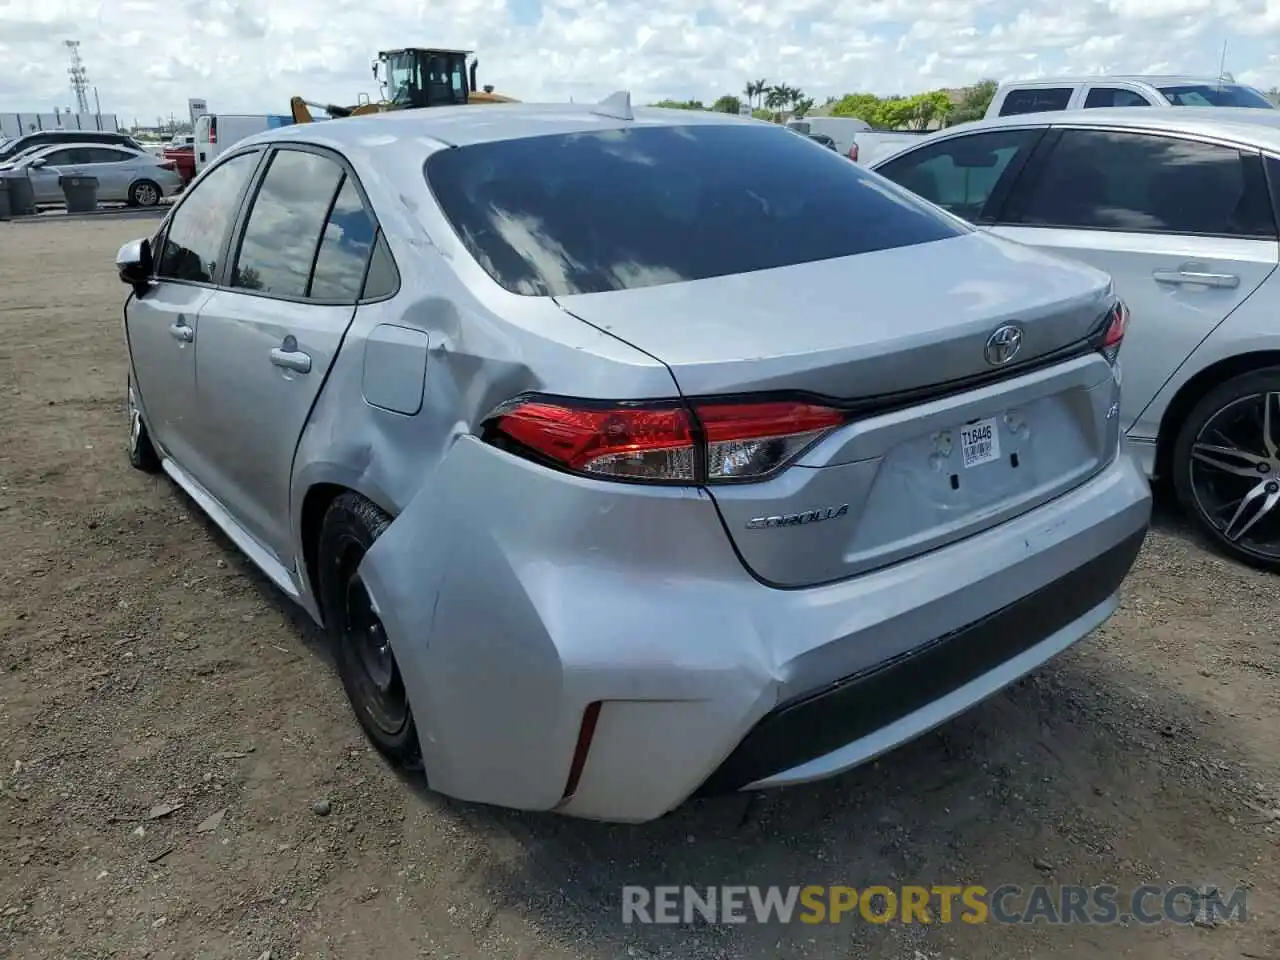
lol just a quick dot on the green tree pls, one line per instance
(680, 104)
(974, 102)
(802, 106)
(727, 104)
(864, 106)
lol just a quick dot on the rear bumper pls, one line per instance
(859, 716)
(509, 623)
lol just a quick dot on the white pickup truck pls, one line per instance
(1084, 93)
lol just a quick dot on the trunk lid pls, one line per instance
(867, 325)
(909, 328)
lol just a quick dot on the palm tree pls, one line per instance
(775, 98)
(762, 86)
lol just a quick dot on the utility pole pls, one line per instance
(79, 78)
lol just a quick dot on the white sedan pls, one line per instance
(123, 175)
(1180, 207)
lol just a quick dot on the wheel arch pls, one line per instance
(1184, 401)
(315, 503)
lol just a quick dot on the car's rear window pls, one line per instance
(1216, 95)
(646, 205)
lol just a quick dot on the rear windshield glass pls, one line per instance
(1215, 95)
(636, 207)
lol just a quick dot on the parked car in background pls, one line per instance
(852, 136)
(841, 130)
(1179, 206)
(129, 176)
(497, 456)
(871, 145)
(50, 137)
(183, 157)
(823, 139)
(215, 132)
(1100, 92)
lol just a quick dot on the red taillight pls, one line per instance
(168, 165)
(1113, 331)
(853, 153)
(669, 442)
(213, 131)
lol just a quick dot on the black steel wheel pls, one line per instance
(1226, 467)
(366, 662)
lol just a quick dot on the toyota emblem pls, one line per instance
(1003, 345)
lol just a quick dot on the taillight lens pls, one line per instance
(168, 165)
(712, 442)
(853, 153)
(1111, 334)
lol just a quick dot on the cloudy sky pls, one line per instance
(147, 57)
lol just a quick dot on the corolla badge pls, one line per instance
(798, 519)
(1003, 345)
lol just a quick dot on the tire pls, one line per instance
(364, 657)
(1227, 474)
(145, 193)
(142, 453)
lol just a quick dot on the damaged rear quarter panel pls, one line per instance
(485, 346)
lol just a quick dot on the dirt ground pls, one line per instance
(144, 663)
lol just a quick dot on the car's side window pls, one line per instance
(344, 248)
(1035, 100)
(194, 238)
(383, 279)
(1113, 97)
(1105, 180)
(284, 227)
(60, 158)
(106, 155)
(960, 174)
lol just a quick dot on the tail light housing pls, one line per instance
(1111, 331)
(168, 165)
(853, 153)
(213, 129)
(672, 442)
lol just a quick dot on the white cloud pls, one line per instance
(147, 57)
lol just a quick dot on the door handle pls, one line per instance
(1224, 280)
(179, 330)
(289, 357)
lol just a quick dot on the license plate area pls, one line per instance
(979, 442)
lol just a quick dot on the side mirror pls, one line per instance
(133, 264)
(37, 163)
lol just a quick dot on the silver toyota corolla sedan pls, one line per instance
(1179, 206)
(628, 457)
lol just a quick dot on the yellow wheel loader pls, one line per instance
(411, 78)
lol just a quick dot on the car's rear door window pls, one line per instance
(344, 248)
(285, 223)
(961, 173)
(1035, 100)
(644, 205)
(1113, 97)
(109, 155)
(1105, 180)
